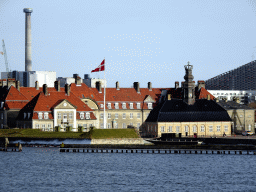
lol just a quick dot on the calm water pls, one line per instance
(46, 169)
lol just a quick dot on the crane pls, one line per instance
(6, 61)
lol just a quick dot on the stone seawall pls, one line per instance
(118, 141)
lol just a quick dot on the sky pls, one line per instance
(141, 40)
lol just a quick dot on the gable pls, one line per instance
(149, 99)
(64, 104)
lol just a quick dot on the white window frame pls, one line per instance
(43, 127)
(109, 115)
(186, 128)
(124, 115)
(116, 106)
(102, 106)
(131, 115)
(124, 126)
(177, 129)
(202, 128)
(138, 106)
(101, 126)
(169, 129)
(218, 128)
(226, 128)
(131, 105)
(87, 115)
(138, 115)
(210, 128)
(138, 125)
(59, 115)
(101, 115)
(40, 115)
(108, 125)
(37, 126)
(116, 125)
(194, 129)
(123, 105)
(162, 129)
(70, 115)
(116, 116)
(109, 105)
(150, 106)
(46, 115)
(81, 115)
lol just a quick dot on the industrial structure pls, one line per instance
(241, 78)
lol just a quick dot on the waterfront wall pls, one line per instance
(118, 141)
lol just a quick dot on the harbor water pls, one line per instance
(46, 169)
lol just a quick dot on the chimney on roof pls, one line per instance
(98, 86)
(45, 89)
(117, 86)
(37, 85)
(18, 85)
(208, 97)
(136, 86)
(200, 84)
(10, 82)
(57, 85)
(176, 84)
(78, 80)
(67, 89)
(169, 97)
(182, 84)
(149, 86)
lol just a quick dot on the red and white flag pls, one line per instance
(101, 67)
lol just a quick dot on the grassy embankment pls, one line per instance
(94, 134)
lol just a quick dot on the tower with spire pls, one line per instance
(189, 86)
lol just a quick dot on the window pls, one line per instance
(101, 126)
(116, 125)
(149, 105)
(210, 128)
(170, 129)
(226, 128)
(2, 126)
(138, 105)
(116, 106)
(87, 115)
(43, 127)
(2, 104)
(162, 129)
(218, 128)
(81, 115)
(202, 128)
(85, 126)
(131, 105)
(186, 128)
(59, 115)
(109, 105)
(131, 115)
(45, 115)
(70, 115)
(124, 125)
(29, 115)
(108, 126)
(49, 126)
(116, 115)
(2, 116)
(124, 105)
(109, 115)
(40, 115)
(249, 127)
(37, 126)
(101, 115)
(138, 115)
(194, 129)
(131, 124)
(25, 115)
(124, 115)
(79, 125)
(177, 129)
(138, 125)
(101, 106)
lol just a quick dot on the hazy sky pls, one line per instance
(141, 40)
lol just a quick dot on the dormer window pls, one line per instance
(131, 105)
(138, 105)
(87, 115)
(116, 106)
(46, 115)
(149, 105)
(109, 105)
(29, 115)
(25, 115)
(124, 105)
(81, 115)
(101, 106)
(40, 115)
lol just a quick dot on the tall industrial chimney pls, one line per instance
(28, 58)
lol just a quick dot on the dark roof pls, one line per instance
(176, 110)
(232, 105)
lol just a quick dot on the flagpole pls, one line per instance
(105, 83)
